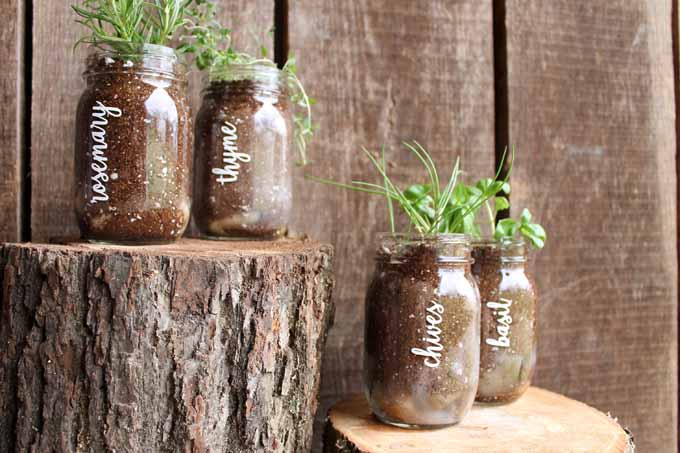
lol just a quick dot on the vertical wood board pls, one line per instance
(11, 112)
(57, 86)
(384, 72)
(591, 107)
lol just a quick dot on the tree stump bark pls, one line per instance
(191, 347)
(539, 422)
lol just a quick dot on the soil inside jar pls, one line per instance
(243, 186)
(505, 372)
(145, 155)
(401, 387)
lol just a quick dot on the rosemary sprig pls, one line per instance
(124, 25)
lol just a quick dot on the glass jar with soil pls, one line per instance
(134, 146)
(244, 161)
(508, 346)
(421, 358)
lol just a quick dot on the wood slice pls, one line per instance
(539, 422)
(191, 347)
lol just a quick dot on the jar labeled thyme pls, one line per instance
(508, 346)
(244, 161)
(421, 358)
(134, 146)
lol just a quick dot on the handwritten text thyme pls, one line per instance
(231, 156)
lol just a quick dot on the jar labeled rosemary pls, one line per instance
(508, 346)
(421, 358)
(243, 158)
(133, 149)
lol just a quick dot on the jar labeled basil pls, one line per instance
(244, 161)
(421, 361)
(508, 346)
(133, 149)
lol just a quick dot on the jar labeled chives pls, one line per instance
(421, 358)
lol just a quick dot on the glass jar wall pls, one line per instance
(508, 342)
(421, 358)
(244, 162)
(133, 149)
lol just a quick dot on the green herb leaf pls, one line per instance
(125, 25)
(501, 203)
(506, 228)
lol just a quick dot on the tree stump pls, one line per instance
(190, 347)
(539, 422)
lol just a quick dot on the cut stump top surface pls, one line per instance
(191, 248)
(539, 422)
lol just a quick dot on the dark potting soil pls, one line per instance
(505, 372)
(243, 163)
(401, 387)
(141, 124)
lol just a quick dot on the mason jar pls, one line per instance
(508, 341)
(421, 357)
(243, 157)
(133, 148)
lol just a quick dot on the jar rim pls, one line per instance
(453, 248)
(419, 237)
(158, 60)
(488, 241)
(259, 70)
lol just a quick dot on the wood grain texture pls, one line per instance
(57, 86)
(539, 422)
(591, 104)
(192, 347)
(11, 113)
(384, 71)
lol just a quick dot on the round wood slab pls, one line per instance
(540, 422)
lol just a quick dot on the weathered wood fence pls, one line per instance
(586, 90)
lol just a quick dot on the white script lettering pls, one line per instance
(231, 156)
(502, 312)
(432, 353)
(99, 165)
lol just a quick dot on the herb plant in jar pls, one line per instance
(133, 148)
(246, 130)
(508, 296)
(509, 304)
(421, 352)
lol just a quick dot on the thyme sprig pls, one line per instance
(211, 45)
(124, 25)
(430, 208)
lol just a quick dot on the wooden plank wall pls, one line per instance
(590, 104)
(591, 100)
(11, 113)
